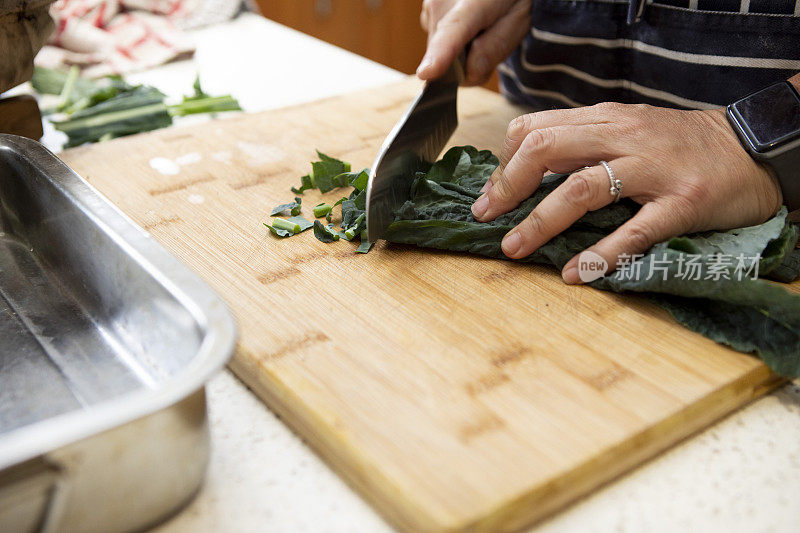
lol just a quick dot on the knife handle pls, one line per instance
(458, 70)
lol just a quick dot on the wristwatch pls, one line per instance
(768, 125)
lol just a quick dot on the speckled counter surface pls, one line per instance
(741, 475)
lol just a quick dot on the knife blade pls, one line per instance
(414, 143)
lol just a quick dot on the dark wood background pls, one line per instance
(386, 31)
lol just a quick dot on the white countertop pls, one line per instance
(743, 474)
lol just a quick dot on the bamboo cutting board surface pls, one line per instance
(454, 392)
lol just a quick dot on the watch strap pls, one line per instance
(787, 170)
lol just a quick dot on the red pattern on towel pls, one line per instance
(116, 36)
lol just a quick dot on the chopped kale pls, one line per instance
(293, 208)
(365, 245)
(324, 233)
(283, 228)
(329, 173)
(288, 227)
(301, 222)
(357, 180)
(322, 210)
(305, 183)
(356, 228)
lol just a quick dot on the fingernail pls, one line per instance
(480, 206)
(511, 243)
(570, 275)
(424, 65)
(486, 186)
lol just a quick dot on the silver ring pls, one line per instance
(616, 185)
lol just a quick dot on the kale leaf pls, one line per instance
(293, 208)
(109, 108)
(322, 210)
(288, 227)
(324, 233)
(300, 221)
(329, 173)
(744, 312)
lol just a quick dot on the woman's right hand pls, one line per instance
(451, 24)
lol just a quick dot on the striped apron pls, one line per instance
(675, 53)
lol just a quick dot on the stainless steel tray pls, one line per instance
(106, 341)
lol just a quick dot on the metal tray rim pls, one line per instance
(199, 299)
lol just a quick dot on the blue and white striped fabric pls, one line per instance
(673, 53)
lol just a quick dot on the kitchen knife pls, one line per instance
(415, 141)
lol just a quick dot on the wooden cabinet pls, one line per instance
(386, 31)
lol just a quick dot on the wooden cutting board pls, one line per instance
(453, 392)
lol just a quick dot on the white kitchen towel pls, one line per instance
(105, 37)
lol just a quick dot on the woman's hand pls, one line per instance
(686, 168)
(451, 24)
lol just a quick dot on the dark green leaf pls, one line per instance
(301, 222)
(360, 180)
(293, 208)
(140, 109)
(354, 179)
(359, 224)
(324, 233)
(349, 213)
(365, 245)
(280, 232)
(306, 183)
(327, 171)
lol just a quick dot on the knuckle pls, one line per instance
(537, 140)
(634, 118)
(641, 109)
(502, 190)
(488, 47)
(518, 127)
(608, 108)
(639, 238)
(580, 189)
(534, 224)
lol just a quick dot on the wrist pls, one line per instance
(761, 178)
(768, 125)
(795, 81)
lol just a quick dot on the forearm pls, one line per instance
(24, 28)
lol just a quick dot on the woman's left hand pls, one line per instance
(686, 168)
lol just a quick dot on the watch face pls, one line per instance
(771, 116)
